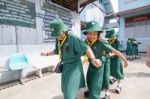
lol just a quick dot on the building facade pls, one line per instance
(134, 22)
(24, 24)
(97, 11)
(24, 28)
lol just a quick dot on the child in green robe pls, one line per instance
(116, 66)
(100, 49)
(129, 49)
(70, 49)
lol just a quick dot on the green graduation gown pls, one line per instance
(95, 75)
(106, 74)
(135, 47)
(116, 62)
(72, 77)
(129, 49)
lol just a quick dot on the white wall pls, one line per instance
(30, 39)
(128, 5)
(122, 36)
(91, 12)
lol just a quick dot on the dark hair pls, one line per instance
(99, 32)
(98, 35)
(116, 41)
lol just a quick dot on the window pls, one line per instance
(129, 30)
(138, 26)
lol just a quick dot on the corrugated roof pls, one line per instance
(82, 1)
(72, 4)
(85, 2)
(106, 4)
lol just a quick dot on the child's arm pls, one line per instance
(94, 61)
(111, 54)
(121, 56)
(47, 53)
(53, 52)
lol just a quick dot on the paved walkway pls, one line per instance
(135, 86)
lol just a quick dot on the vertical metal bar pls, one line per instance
(17, 43)
(78, 6)
(82, 9)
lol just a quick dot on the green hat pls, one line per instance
(110, 33)
(92, 26)
(57, 27)
(129, 38)
(133, 39)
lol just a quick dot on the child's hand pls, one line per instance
(111, 54)
(126, 64)
(43, 54)
(97, 63)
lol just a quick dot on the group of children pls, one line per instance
(132, 49)
(109, 53)
(104, 59)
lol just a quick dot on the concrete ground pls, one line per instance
(135, 86)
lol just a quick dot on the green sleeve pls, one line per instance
(118, 46)
(80, 47)
(56, 48)
(107, 47)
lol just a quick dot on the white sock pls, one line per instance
(119, 84)
(107, 93)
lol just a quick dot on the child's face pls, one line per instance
(92, 36)
(112, 38)
(61, 36)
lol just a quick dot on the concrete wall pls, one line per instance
(127, 5)
(145, 41)
(30, 41)
(91, 12)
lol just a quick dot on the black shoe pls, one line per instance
(118, 90)
(127, 58)
(86, 94)
(131, 59)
